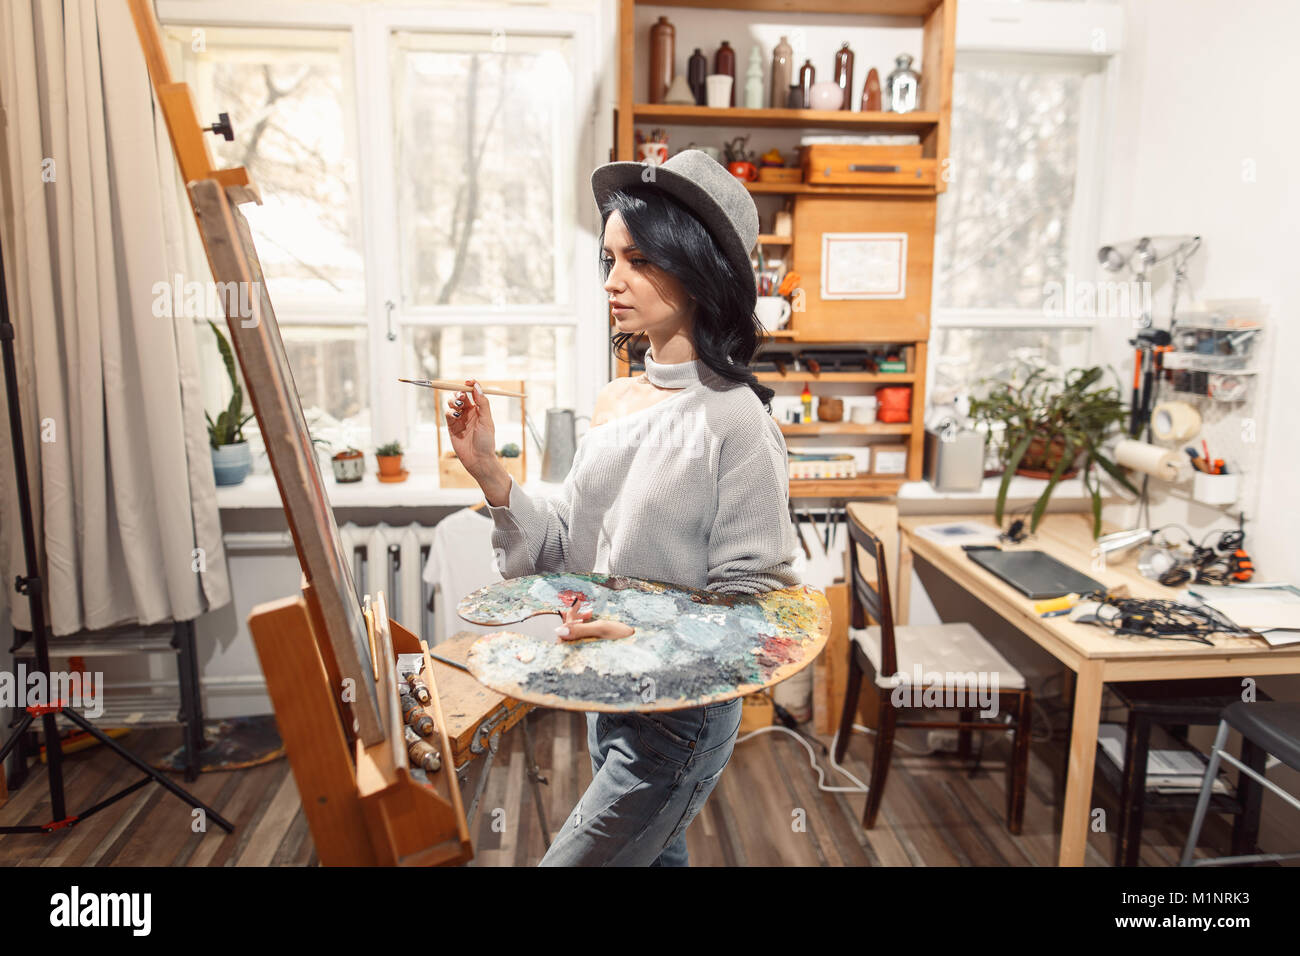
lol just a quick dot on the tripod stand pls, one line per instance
(30, 585)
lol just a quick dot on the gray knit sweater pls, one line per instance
(691, 491)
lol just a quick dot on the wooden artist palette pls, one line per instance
(691, 647)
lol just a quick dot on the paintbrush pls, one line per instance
(450, 386)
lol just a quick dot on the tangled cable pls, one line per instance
(1164, 620)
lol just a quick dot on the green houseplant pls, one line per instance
(1049, 423)
(231, 459)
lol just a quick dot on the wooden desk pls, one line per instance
(1095, 655)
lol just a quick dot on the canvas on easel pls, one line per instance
(330, 665)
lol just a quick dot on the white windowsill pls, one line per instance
(419, 490)
(1020, 489)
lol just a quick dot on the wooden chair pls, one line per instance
(889, 656)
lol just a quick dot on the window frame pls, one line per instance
(370, 28)
(1051, 37)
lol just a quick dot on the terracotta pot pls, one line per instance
(1041, 459)
(389, 465)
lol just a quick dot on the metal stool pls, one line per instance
(1274, 727)
(1175, 705)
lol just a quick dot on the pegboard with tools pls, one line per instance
(1209, 399)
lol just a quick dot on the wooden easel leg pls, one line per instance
(313, 736)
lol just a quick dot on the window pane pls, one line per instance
(289, 96)
(961, 358)
(541, 356)
(1004, 221)
(484, 134)
(330, 369)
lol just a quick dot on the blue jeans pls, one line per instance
(652, 774)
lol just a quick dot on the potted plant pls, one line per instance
(349, 465)
(390, 462)
(1049, 424)
(231, 459)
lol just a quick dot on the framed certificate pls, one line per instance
(864, 265)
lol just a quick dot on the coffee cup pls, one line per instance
(773, 312)
(717, 88)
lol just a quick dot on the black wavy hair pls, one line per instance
(726, 333)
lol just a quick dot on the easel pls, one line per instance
(330, 668)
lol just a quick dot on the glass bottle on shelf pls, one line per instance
(807, 77)
(697, 68)
(724, 62)
(903, 86)
(844, 74)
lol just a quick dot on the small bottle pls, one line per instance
(806, 398)
(807, 77)
(724, 62)
(903, 86)
(844, 74)
(782, 64)
(662, 40)
(697, 68)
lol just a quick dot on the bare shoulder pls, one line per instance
(607, 399)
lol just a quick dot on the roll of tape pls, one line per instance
(1148, 459)
(1175, 421)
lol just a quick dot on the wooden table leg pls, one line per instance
(903, 586)
(1076, 815)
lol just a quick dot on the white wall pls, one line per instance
(1205, 92)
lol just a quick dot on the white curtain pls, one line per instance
(123, 494)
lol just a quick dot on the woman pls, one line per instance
(681, 478)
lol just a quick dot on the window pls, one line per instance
(1004, 222)
(481, 137)
(1019, 217)
(457, 263)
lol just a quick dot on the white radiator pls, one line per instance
(391, 560)
(382, 558)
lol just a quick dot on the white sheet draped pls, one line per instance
(123, 493)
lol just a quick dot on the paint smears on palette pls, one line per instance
(691, 647)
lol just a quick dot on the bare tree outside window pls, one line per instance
(476, 168)
(1004, 222)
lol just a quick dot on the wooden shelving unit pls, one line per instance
(842, 208)
(846, 428)
(864, 486)
(842, 120)
(879, 378)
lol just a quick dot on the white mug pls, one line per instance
(863, 411)
(773, 311)
(718, 90)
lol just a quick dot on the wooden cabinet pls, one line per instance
(901, 202)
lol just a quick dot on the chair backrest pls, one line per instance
(874, 600)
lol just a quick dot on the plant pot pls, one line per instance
(231, 463)
(1041, 459)
(390, 467)
(348, 467)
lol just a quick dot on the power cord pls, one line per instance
(830, 753)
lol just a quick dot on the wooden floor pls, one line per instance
(934, 812)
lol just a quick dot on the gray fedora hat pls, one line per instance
(704, 185)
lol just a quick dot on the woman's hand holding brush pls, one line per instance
(473, 438)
